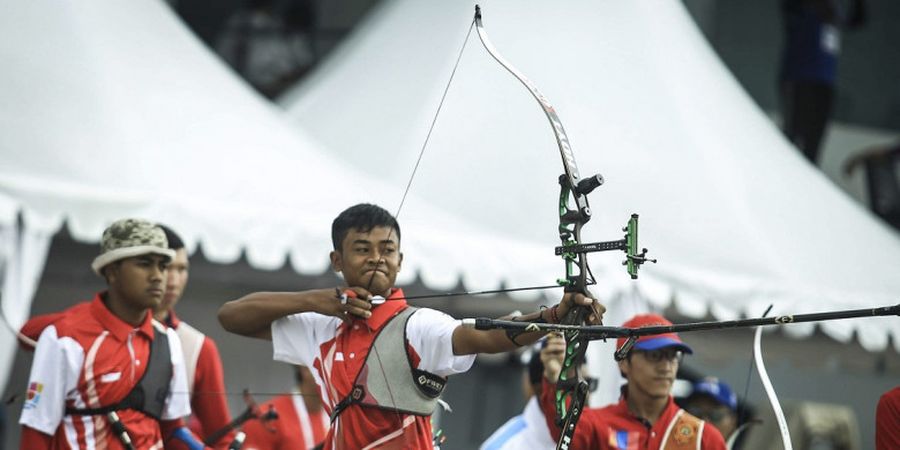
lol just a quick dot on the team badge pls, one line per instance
(684, 434)
(33, 395)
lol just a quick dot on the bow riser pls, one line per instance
(574, 212)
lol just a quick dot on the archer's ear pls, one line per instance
(624, 365)
(400, 262)
(110, 273)
(336, 260)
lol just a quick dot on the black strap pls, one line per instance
(149, 395)
(355, 395)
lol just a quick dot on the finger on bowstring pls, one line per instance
(358, 292)
(342, 296)
(356, 311)
(358, 303)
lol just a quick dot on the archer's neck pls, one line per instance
(647, 407)
(124, 310)
(161, 316)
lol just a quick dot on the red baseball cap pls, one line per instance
(655, 342)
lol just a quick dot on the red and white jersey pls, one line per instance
(294, 429)
(615, 427)
(202, 364)
(206, 381)
(337, 352)
(89, 359)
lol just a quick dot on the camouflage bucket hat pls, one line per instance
(131, 237)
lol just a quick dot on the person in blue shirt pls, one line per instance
(808, 74)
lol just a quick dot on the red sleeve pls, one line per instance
(208, 403)
(36, 325)
(712, 438)
(583, 429)
(548, 407)
(887, 419)
(33, 439)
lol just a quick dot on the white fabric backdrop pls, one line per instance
(114, 109)
(736, 217)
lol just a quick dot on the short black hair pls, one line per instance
(362, 217)
(175, 242)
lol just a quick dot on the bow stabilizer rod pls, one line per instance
(597, 332)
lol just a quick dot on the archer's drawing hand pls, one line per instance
(345, 304)
(572, 299)
(552, 356)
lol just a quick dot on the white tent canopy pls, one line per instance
(114, 109)
(736, 217)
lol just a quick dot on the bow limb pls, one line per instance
(559, 132)
(571, 388)
(770, 391)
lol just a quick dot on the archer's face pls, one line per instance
(140, 281)
(176, 280)
(651, 376)
(369, 260)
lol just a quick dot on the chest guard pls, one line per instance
(685, 432)
(149, 394)
(393, 384)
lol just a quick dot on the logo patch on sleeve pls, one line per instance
(33, 395)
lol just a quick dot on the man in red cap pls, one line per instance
(646, 416)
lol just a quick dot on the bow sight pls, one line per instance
(568, 217)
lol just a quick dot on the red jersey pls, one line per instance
(294, 429)
(206, 381)
(335, 353)
(615, 427)
(202, 365)
(89, 358)
(887, 421)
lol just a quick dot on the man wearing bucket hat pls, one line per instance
(201, 355)
(105, 374)
(646, 416)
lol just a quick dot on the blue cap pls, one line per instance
(656, 343)
(718, 390)
(653, 342)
